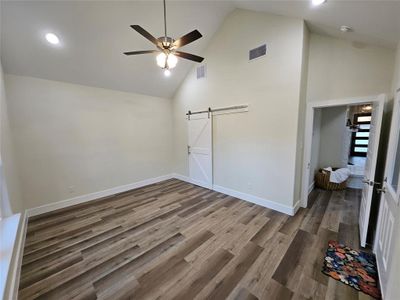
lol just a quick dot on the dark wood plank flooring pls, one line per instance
(174, 240)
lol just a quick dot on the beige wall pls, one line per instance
(254, 152)
(11, 193)
(73, 140)
(338, 69)
(396, 75)
(333, 133)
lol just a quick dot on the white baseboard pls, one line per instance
(311, 187)
(296, 207)
(93, 196)
(188, 179)
(181, 177)
(257, 200)
(247, 197)
(119, 189)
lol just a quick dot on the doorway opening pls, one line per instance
(358, 127)
(344, 134)
(340, 139)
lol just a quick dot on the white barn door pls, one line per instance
(200, 149)
(370, 167)
(388, 210)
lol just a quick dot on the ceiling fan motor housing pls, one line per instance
(166, 41)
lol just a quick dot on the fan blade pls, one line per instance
(147, 35)
(140, 52)
(186, 39)
(189, 56)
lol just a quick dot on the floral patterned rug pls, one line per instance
(354, 268)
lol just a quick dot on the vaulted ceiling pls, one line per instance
(95, 33)
(374, 22)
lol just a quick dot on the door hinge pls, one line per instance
(188, 149)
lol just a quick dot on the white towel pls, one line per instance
(339, 175)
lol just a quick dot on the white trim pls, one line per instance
(296, 207)
(378, 266)
(15, 271)
(391, 152)
(247, 197)
(182, 177)
(345, 101)
(311, 187)
(308, 133)
(94, 196)
(258, 200)
(109, 192)
(12, 232)
(190, 180)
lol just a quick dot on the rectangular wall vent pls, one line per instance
(258, 52)
(201, 71)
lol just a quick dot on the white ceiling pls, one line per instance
(374, 22)
(94, 35)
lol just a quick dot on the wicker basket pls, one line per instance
(322, 181)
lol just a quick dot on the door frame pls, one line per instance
(310, 109)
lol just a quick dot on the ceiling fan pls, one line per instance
(167, 46)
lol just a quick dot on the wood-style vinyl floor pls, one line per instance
(174, 240)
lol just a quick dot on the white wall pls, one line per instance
(333, 134)
(73, 140)
(337, 69)
(11, 190)
(254, 152)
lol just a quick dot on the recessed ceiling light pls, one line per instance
(52, 38)
(345, 28)
(318, 2)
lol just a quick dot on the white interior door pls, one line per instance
(388, 210)
(370, 166)
(200, 149)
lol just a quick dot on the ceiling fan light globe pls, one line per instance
(172, 60)
(161, 59)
